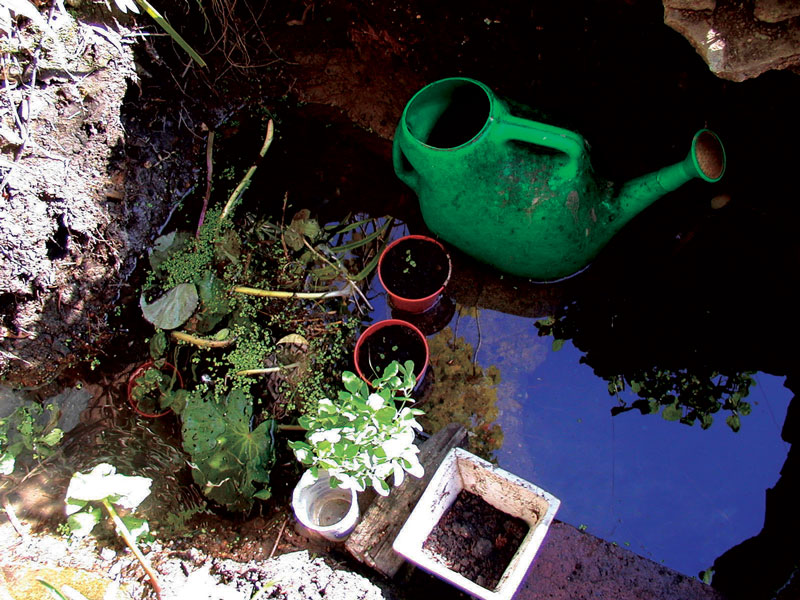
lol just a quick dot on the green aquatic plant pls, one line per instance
(365, 436)
(228, 458)
(30, 429)
(258, 315)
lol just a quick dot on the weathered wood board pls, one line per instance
(371, 541)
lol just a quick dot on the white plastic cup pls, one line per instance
(331, 512)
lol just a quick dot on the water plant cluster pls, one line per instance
(29, 431)
(257, 316)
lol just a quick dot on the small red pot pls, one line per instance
(137, 373)
(413, 305)
(373, 330)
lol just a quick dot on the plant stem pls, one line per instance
(131, 543)
(156, 16)
(267, 370)
(12, 517)
(250, 172)
(291, 428)
(241, 289)
(209, 173)
(202, 342)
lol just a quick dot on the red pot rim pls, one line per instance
(386, 323)
(426, 299)
(132, 384)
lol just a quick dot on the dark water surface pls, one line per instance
(676, 494)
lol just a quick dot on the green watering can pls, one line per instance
(517, 194)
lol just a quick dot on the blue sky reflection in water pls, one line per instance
(667, 491)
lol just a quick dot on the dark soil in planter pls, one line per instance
(475, 539)
(393, 342)
(414, 269)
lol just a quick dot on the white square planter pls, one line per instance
(461, 470)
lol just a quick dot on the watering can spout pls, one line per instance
(706, 160)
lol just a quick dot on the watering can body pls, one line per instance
(515, 193)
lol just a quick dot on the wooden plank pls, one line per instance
(371, 541)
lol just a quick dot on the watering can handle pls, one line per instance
(570, 143)
(403, 168)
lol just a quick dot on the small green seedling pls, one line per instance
(104, 487)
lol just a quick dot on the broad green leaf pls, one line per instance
(380, 486)
(138, 528)
(82, 523)
(103, 482)
(263, 494)
(53, 438)
(558, 344)
(226, 455)
(158, 345)
(391, 370)
(351, 381)
(386, 415)
(73, 506)
(173, 308)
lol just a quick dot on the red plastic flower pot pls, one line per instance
(414, 271)
(138, 372)
(385, 341)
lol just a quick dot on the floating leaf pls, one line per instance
(166, 245)
(173, 308)
(672, 412)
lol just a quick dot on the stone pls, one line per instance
(690, 4)
(775, 11)
(735, 45)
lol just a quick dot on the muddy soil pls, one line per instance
(476, 540)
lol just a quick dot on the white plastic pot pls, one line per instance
(461, 470)
(331, 512)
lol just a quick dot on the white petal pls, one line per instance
(375, 402)
(416, 468)
(399, 474)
